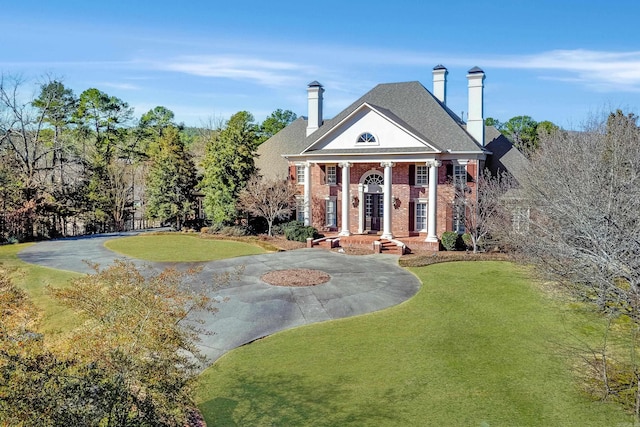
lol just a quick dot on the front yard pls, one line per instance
(480, 344)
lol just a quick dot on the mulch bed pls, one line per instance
(295, 277)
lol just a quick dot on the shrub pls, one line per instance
(297, 231)
(449, 239)
(467, 242)
(235, 231)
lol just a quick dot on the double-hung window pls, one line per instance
(459, 176)
(300, 174)
(422, 175)
(300, 209)
(459, 217)
(330, 209)
(421, 216)
(331, 175)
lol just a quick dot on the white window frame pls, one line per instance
(458, 220)
(459, 175)
(331, 174)
(422, 178)
(418, 204)
(300, 208)
(520, 219)
(300, 174)
(331, 212)
(367, 138)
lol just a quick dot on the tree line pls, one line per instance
(82, 164)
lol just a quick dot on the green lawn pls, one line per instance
(180, 248)
(479, 345)
(34, 280)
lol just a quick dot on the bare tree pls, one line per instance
(488, 212)
(584, 190)
(270, 199)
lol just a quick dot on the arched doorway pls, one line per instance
(373, 192)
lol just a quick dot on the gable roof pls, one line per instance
(415, 109)
(291, 139)
(409, 104)
(504, 155)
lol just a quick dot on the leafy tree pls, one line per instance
(273, 124)
(133, 361)
(105, 116)
(522, 131)
(270, 199)
(490, 121)
(228, 164)
(157, 120)
(102, 119)
(545, 128)
(56, 104)
(171, 180)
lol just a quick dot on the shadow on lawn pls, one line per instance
(291, 399)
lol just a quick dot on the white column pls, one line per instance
(307, 193)
(360, 208)
(346, 198)
(433, 201)
(386, 229)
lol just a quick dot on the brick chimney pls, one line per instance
(440, 83)
(475, 115)
(314, 97)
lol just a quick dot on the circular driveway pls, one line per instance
(253, 309)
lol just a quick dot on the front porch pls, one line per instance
(373, 243)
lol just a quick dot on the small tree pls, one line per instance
(227, 166)
(171, 179)
(487, 213)
(270, 199)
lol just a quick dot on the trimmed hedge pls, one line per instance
(449, 240)
(295, 230)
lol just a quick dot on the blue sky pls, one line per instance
(560, 60)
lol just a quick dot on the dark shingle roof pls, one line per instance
(414, 107)
(505, 156)
(409, 104)
(289, 140)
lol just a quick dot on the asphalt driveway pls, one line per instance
(253, 308)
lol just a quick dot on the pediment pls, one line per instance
(370, 128)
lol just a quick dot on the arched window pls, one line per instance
(374, 178)
(366, 138)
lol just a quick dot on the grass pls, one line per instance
(34, 280)
(180, 248)
(480, 345)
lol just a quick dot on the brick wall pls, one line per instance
(401, 189)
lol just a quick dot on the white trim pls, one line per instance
(334, 201)
(374, 143)
(425, 202)
(372, 108)
(326, 174)
(425, 175)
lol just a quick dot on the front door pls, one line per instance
(373, 210)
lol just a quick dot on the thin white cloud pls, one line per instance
(262, 71)
(121, 86)
(599, 70)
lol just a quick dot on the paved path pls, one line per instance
(254, 309)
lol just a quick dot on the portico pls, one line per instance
(370, 196)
